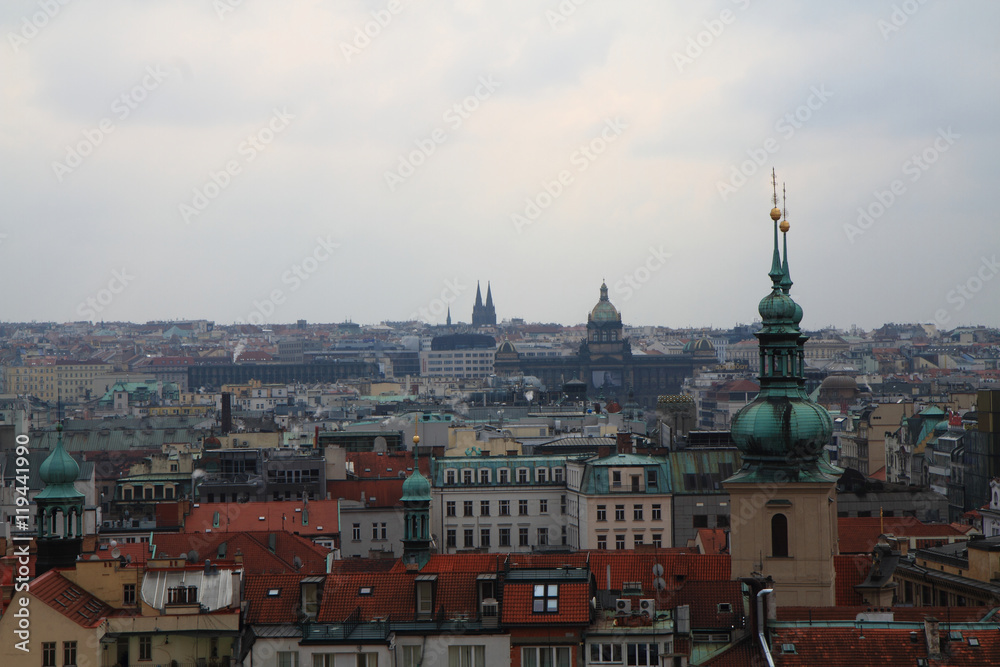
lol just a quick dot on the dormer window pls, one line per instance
(545, 599)
(449, 476)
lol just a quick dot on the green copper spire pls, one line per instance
(59, 471)
(781, 434)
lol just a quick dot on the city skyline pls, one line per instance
(225, 160)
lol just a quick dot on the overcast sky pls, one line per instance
(253, 160)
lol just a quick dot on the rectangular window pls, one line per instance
(467, 656)
(545, 599)
(505, 537)
(557, 475)
(700, 520)
(356, 532)
(450, 508)
(450, 538)
(411, 656)
(642, 655)
(522, 508)
(484, 508)
(48, 654)
(145, 648)
(504, 474)
(425, 598)
(620, 541)
(128, 594)
(616, 478)
(606, 653)
(562, 504)
(504, 508)
(543, 506)
(484, 475)
(650, 479)
(522, 475)
(367, 660)
(602, 512)
(658, 540)
(484, 538)
(467, 476)
(469, 535)
(638, 541)
(288, 659)
(541, 475)
(619, 512)
(467, 508)
(374, 531)
(637, 512)
(657, 515)
(449, 477)
(385, 532)
(547, 656)
(522, 537)
(543, 537)
(69, 653)
(602, 542)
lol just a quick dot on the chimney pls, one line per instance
(933, 638)
(623, 442)
(227, 413)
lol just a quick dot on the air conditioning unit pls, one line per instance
(623, 606)
(647, 607)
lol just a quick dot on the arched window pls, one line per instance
(779, 536)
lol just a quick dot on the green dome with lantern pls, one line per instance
(59, 471)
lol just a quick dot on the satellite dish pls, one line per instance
(192, 556)
(657, 570)
(128, 558)
(116, 552)
(297, 563)
(529, 395)
(659, 583)
(113, 543)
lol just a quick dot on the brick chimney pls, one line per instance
(933, 637)
(623, 442)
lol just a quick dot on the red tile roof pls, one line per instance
(859, 534)
(139, 551)
(574, 605)
(854, 647)
(263, 608)
(375, 465)
(900, 614)
(243, 517)
(376, 492)
(638, 566)
(391, 594)
(850, 571)
(713, 540)
(744, 653)
(704, 598)
(69, 599)
(254, 548)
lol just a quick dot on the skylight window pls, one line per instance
(973, 641)
(273, 592)
(788, 648)
(365, 590)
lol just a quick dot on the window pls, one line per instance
(565, 536)
(602, 512)
(384, 531)
(522, 508)
(504, 508)
(547, 656)
(779, 536)
(367, 660)
(616, 478)
(543, 506)
(374, 531)
(467, 476)
(69, 653)
(562, 504)
(650, 479)
(721, 520)
(641, 655)
(541, 475)
(638, 541)
(467, 656)
(557, 475)
(484, 508)
(449, 477)
(505, 537)
(484, 538)
(522, 537)
(657, 540)
(700, 521)
(620, 541)
(606, 653)
(619, 512)
(545, 599)
(145, 648)
(484, 475)
(425, 598)
(543, 537)
(450, 538)
(522, 475)
(48, 654)
(411, 656)
(602, 542)
(468, 534)
(637, 512)
(467, 508)
(450, 508)
(128, 594)
(657, 515)
(504, 475)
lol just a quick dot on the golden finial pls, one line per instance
(416, 440)
(784, 223)
(775, 212)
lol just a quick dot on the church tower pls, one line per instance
(484, 315)
(59, 510)
(783, 501)
(417, 515)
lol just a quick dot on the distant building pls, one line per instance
(483, 315)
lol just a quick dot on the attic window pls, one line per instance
(545, 599)
(973, 641)
(260, 518)
(955, 636)
(365, 590)
(788, 649)
(725, 608)
(273, 592)
(631, 588)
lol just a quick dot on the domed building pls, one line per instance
(783, 500)
(416, 501)
(60, 510)
(702, 350)
(837, 390)
(604, 362)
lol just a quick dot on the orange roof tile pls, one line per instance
(69, 599)
(859, 534)
(574, 605)
(850, 571)
(254, 548)
(855, 647)
(243, 517)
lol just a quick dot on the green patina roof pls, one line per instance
(604, 311)
(58, 471)
(416, 488)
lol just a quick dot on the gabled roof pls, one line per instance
(281, 607)
(69, 599)
(316, 517)
(254, 547)
(377, 492)
(856, 647)
(860, 534)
